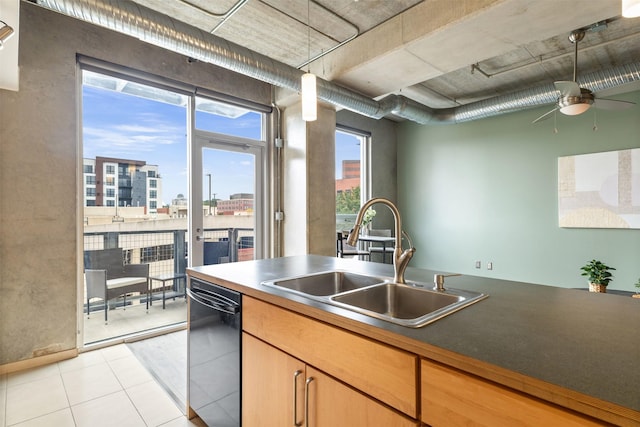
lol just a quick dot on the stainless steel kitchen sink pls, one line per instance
(326, 283)
(413, 304)
(408, 305)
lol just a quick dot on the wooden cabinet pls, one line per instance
(452, 398)
(382, 372)
(356, 381)
(280, 390)
(334, 404)
(268, 378)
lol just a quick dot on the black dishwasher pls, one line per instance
(214, 353)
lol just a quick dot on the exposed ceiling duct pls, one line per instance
(152, 27)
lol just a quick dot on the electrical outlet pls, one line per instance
(489, 266)
(478, 264)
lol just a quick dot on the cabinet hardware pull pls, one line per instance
(296, 374)
(306, 400)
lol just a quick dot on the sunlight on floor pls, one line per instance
(133, 320)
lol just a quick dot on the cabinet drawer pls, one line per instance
(383, 372)
(452, 398)
(335, 404)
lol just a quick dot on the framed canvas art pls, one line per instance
(600, 190)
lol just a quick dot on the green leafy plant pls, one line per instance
(637, 285)
(597, 272)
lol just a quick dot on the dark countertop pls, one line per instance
(563, 345)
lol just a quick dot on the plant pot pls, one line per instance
(594, 287)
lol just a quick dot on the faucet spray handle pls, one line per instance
(438, 281)
(352, 238)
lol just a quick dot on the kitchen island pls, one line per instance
(564, 351)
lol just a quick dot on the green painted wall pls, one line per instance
(487, 191)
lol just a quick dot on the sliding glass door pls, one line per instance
(169, 179)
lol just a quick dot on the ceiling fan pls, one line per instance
(573, 99)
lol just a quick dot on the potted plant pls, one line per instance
(637, 285)
(599, 275)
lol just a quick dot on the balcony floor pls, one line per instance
(134, 319)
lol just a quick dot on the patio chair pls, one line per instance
(98, 286)
(344, 249)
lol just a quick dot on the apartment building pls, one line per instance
(240, 202)
(121, 182)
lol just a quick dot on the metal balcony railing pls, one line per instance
(166, 250)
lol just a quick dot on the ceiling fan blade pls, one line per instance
(567, 88)
(545, 115)
(612, 104)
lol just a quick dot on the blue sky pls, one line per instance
(130, 127)
(347, 148)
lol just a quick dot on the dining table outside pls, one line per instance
(383, 240)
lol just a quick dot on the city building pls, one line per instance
(179, 207)
(112, 182)
(350, 176)
(237, 203)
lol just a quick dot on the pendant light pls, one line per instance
(308, 83)
(309, 103)
(631, 8)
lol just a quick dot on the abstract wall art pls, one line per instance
(600, 190)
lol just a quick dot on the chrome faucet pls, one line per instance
(400, 258)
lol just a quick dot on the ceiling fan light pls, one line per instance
(631, 8)
(575, 105)
(575, 109)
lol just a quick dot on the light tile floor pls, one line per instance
(107, 387)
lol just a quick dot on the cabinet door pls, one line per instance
(452, 398)
(381, 371)
(268, 385)
(332, 404)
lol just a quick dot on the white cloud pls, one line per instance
(128, 139)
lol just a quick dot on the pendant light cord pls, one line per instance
(309, 35)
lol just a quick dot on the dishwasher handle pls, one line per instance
(213, 300)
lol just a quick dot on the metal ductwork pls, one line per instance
(155, 28)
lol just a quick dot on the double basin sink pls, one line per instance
(412, 304)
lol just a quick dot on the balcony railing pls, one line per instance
(166, 250)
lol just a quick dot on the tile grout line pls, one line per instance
(66, 393)
(124, 389)
(6, 396)
(106, 362)
(136, 407)
(26, 383)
